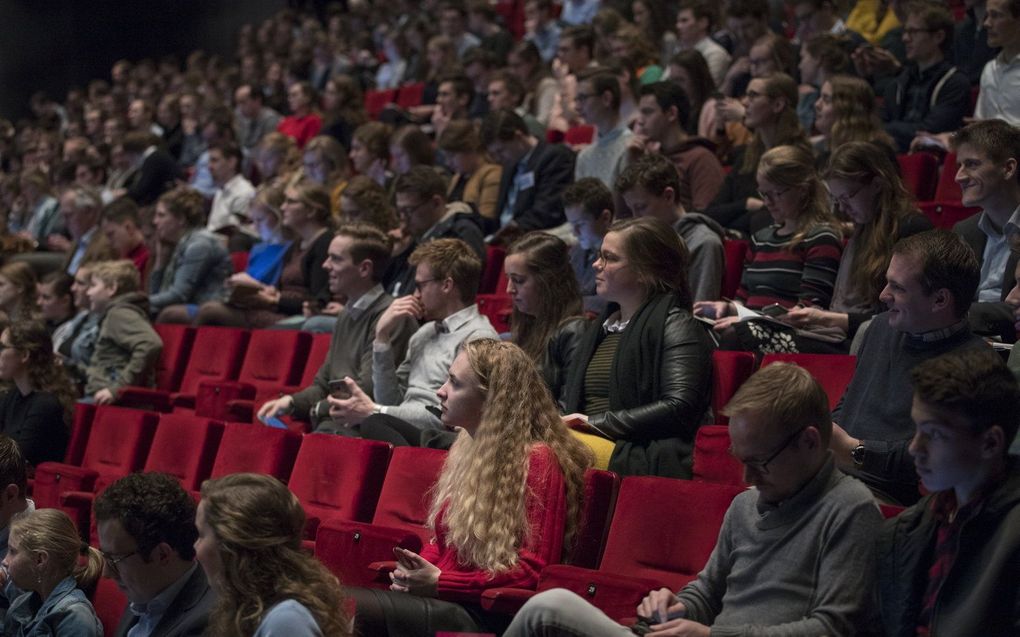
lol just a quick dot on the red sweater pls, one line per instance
(547, 514)
(301, 129)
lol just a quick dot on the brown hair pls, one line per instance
(794, 167)
(454, 259)
(657, 254)
(185, 203)
(52, 531)
(778, 86)
(372, 201)
(121, 273)
(945, 262)
(368, 242)
(786, 396)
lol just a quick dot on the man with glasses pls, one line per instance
(930, 282)
(146, 525)
(404, 408)
(425, 215)
(795, 555)
(598, 102)
(929, 94)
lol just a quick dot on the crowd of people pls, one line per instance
(607, 151)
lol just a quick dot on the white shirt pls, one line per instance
(717, 58)
(993, 262)
(999, 96)
(230, 205)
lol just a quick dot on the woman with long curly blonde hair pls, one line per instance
(506, 504)
(249, 543)
(866, 188)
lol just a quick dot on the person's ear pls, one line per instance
(669, 194)
(993, 442)
(778, 105)
(942, 299)
(365, 269)
(1009, 169)
(10, 493)
(811, 438)
(162, 553)
(606, 217)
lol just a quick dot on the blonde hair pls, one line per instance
(855, 117)
(123, 274)
(258, 524)
(483, 488)
(315, 198)
(52, 531)
(785, 396)
(794, 167)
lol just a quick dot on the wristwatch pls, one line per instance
(857, 453)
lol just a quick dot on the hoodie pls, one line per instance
(127, 347)
(704, 237)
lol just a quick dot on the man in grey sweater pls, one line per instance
(650, 187)
(795, 556)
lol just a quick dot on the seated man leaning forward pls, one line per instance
(146, 525)
(948, 565)
(795, 555)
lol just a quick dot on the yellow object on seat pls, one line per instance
(601, 447)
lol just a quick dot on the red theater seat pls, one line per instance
(734, 254)
(256, 449)
(729, 371)
(713, 461)
(600, 490)
(920, 174)
(110, 604)
(185, 447)
(833, 371)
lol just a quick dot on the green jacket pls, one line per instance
(127, 347)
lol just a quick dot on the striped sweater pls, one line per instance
(775, 273)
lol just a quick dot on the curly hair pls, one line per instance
(864, 162)
(52, 531)
(185, 203)
(22, 277)
(855, 117)
(794, 167)
(350, 105)
(483, 485)
(258, 524)
(152, 508)
(547, 260)
(332, 153)
(44, 371)
(371, 202)
(778, 86)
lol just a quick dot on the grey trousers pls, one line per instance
(559, 612)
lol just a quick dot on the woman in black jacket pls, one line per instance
(643, 371)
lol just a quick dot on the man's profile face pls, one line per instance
(979, 176)
(787, 465)
(124, 565)
(910, 306)
(946, 452)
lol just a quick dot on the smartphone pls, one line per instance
(774, 310)
(338, 389)
(273, 421)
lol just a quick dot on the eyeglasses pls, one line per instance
(762, 466)
(112, 561)
(580, 97)
(407, 211)
(845, 198)
(423, 282)
(773, 196)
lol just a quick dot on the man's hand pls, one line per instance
(714, 309)
(58, 243)
(351, 410)
(680, 628)
(842, 444)
(389, 320)
(729, 110)
(273, 408)
(414, 574)
(657, 605)
(103, 397)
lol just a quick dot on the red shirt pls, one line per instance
(140, 257)
(301, 129)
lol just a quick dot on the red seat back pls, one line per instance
(275, 357)
(579, 135)
(713, 461)
(119, 441)
(317, 353)
(215, 355)
(185, 447)
(81, 426)
(339, 477)
(239, 260)
(376, 101)
(177, 342)
(404, 498)
(947, 214)
(256, 449)
(920, 174)
(729, 371)
(109, 603)
(410, 95)
(497, 308)
(948, 189)
(734, 253)
(833, 371)
(494, 256)
(600, 490)
(665, 529)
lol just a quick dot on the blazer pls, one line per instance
(186, 616)
(482, 189)
(990, 318)
(539, 206)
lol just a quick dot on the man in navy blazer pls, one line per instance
(534, 176)
(146, 524)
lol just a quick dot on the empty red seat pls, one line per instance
(662, 534)
(946, 214)
(216, 354)
(256, 449)
(920, 174)
(713, 461)
(833, 371)
(729, 371)
(118, 445)
(498, 308)
(491, 277)
(273, 359)
(317, 353)
(350, 548)
(109, 603)
(600, 490)
(376, 101)
(173, 360)
(410, 95)
(336, 477)
(185, 447)
(81, 426)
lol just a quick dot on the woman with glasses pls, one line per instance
(641, 378)
(44, 564)
(866, 188)
(791, 263)
(35, 409)
(250, 528)
(770, 106)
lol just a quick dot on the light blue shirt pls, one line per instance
(289, 618)
(993, 262)
(66, 612)
(150, 614)
(79, 252)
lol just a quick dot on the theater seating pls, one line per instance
(734, 254)
(110, 604)
(833, 371)
(257, 449)
(600, 491)
(713, 461)
(729, 371)
(185, 447)
(920, 174)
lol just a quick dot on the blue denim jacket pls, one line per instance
(65, 613)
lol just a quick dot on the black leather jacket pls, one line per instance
(561, 353)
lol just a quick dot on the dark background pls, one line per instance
(52, 45)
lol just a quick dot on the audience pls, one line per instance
(122, 226)
(304, 122)
(589, 208)
(81, 208)
(249, 545)
(146, 527)
(694, 22)
(945, 563)
(55, 301)
(598, 102)
(475, 178)
(795, 555)
(233, 194)
(17, 292)
(641, 377)
(36, 405)
(486, 532)
(42, 560)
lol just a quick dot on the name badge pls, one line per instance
(525, 181)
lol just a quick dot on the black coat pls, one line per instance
(540, 206)
(990, 319)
